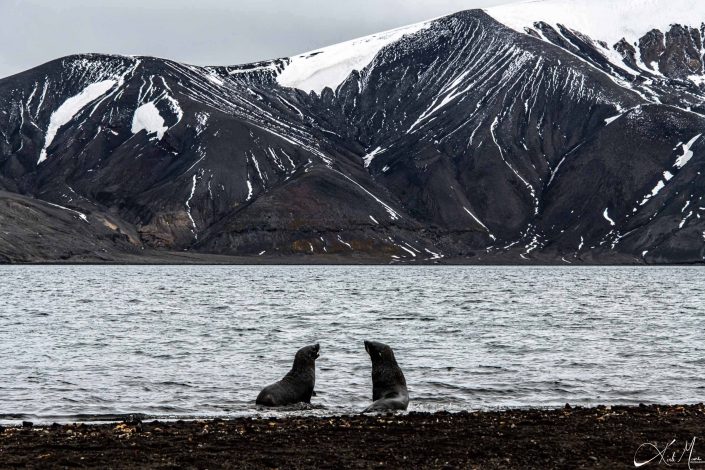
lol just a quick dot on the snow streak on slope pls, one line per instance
(603, 20)
(330, 66)
(70, 108)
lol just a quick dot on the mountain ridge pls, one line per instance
(462, 140)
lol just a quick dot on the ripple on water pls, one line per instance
(105, 341)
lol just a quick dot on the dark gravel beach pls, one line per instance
(603, 437)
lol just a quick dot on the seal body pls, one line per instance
(296, 386)
(389, 390)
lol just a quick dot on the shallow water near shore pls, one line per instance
(84, 343)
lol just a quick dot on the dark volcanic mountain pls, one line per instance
(546, 131)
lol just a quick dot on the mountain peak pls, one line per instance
(602, 20)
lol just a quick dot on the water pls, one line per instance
(91, 342)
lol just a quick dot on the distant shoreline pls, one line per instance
(602, 437)
(353, 264)
(479, 258)
(199, 259)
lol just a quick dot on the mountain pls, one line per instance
(556, 131)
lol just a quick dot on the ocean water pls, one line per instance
(94, 342)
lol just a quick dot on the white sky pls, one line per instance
(202, 32)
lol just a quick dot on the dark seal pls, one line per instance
(389, 390)
(296, 386)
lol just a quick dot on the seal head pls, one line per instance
(296, 386)
(389, 390)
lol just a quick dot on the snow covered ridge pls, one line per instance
(602, 20)
(330, 66)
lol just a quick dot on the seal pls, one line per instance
(296, 386)
(389, 390)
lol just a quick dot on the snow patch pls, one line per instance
(330, 66)
(188, 208)
(605, 20)
(607, 217)
(697, 79)
(479, 222)
(81, 215)
(271, 67)
(687, 153)
(174, 105)
(371, 156)
(407, 250)
(659, 186)
(609, 121)
(667, 176)
(147, 118)
(214, 78)
(249, 190)
(433, 255)
(72, 106)
(344, 243)
(392, 213)
(685, 219)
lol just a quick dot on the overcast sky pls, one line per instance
(202, 32)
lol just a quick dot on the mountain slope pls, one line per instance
(506, 135)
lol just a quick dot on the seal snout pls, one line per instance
(373, 348)
(316, 350)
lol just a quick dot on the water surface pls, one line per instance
(89, 342)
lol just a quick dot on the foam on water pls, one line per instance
(95, 342)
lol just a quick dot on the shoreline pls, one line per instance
(569, 437)
(314, 262)
(191, 258)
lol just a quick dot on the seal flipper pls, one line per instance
(397, 402)
(265, 399)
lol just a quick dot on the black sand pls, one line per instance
(567, 438)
